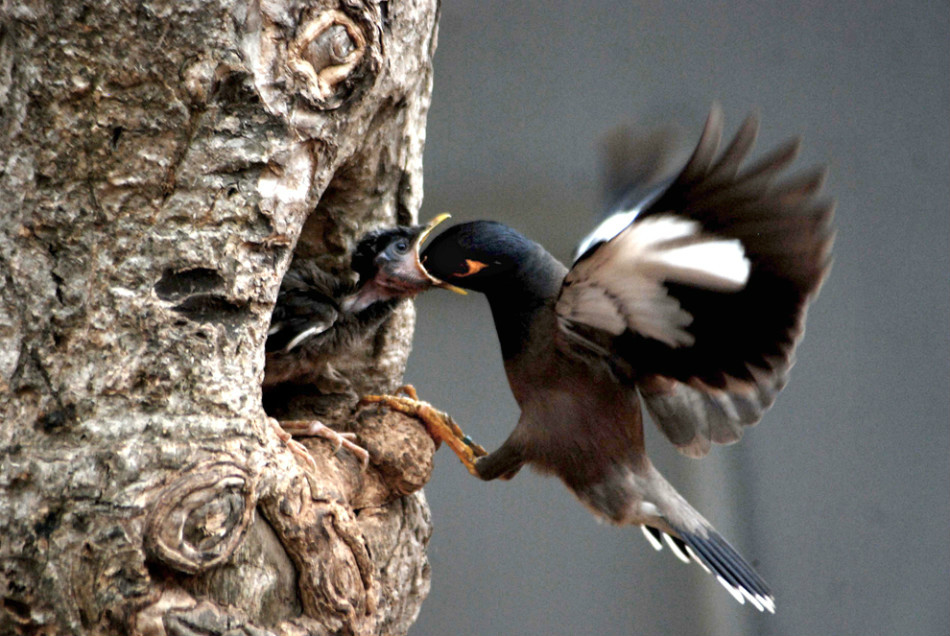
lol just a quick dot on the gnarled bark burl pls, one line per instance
(161, 164)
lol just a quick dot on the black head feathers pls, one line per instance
(471, 254)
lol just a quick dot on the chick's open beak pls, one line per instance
(405, 275)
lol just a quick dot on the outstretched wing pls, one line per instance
(700, 290)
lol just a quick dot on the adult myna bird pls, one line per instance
(318, 316)
(691, 298)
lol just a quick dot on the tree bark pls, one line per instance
(161, 163)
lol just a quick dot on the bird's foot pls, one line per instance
(295, 447)
(440, 425)
(314, 428)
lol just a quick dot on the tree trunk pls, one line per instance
(161, 163)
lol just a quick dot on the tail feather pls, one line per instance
(720, 559)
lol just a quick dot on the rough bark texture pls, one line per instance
(161, 163)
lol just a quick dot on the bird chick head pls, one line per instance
(388, 264)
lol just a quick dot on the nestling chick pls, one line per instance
(318, 317)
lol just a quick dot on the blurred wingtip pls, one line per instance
(633, 158)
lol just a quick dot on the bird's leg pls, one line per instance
(502, 463)
(440, 425)
(314, 428)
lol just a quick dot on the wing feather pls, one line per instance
(622, 285)
(703, 290)
(699, 164)
(305, 307)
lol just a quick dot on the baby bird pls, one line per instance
(318, 316)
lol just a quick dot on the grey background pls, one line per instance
(841, 494)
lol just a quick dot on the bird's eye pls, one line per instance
(401, 247)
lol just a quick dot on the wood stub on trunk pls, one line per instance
(162, 164)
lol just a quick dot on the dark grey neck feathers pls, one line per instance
(532, 287)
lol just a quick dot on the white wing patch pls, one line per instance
(616, 223)
(611, 227)
(620, 284)
(718, 264)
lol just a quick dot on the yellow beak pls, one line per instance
(417, 247)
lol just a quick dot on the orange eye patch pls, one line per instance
(473, 268)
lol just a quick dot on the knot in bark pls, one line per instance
(328, 56)
(200, 519)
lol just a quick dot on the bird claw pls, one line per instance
(296, 447)
(440, 426)
(314, 428)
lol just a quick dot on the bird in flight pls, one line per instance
(689, 299)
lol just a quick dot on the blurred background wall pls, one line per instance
(840, 496)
